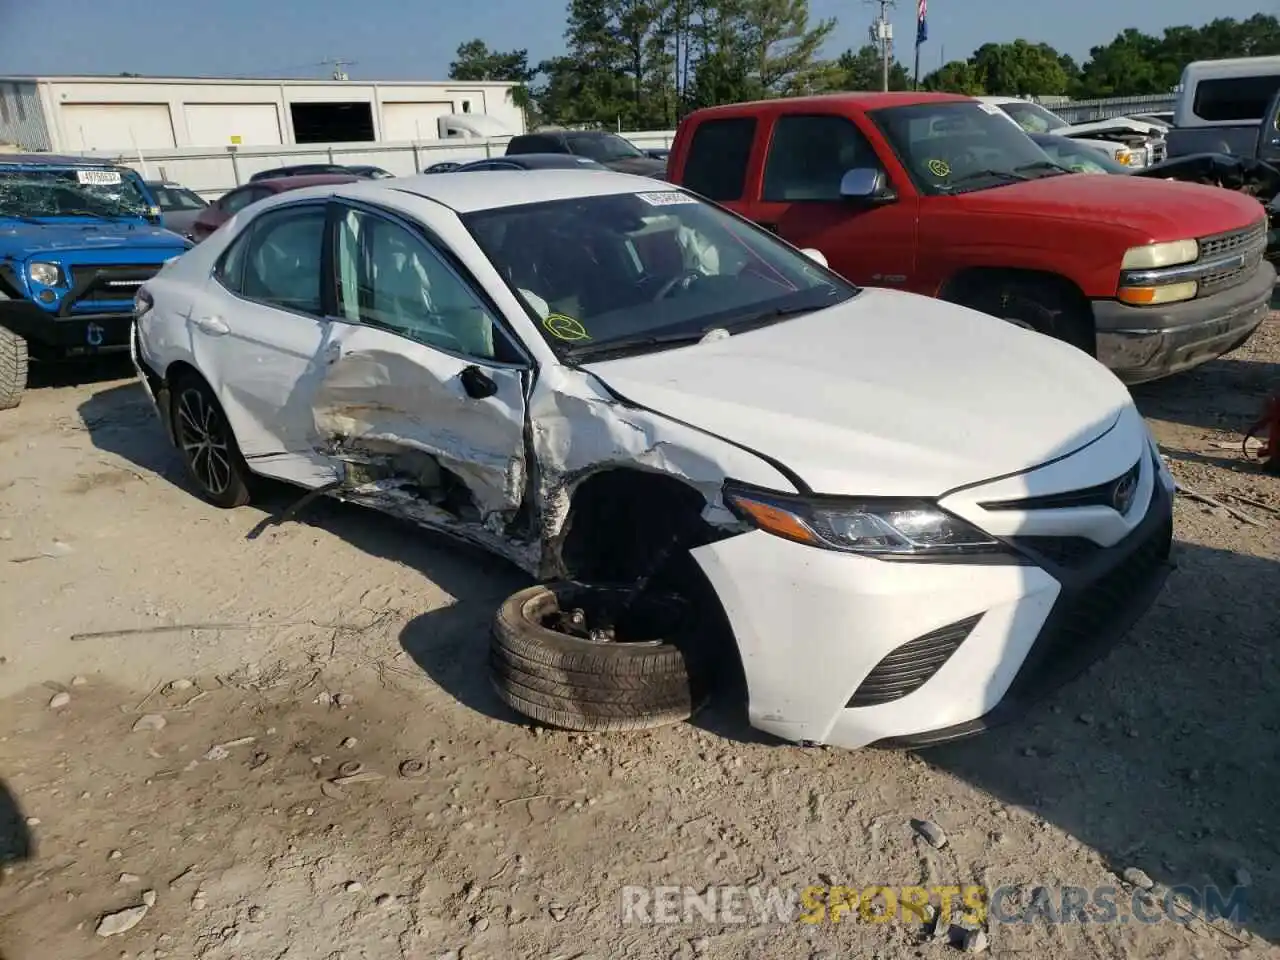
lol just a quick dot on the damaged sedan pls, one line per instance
(895, 519)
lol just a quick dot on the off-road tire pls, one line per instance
(1043, 306)
(13, 368)
(576, 684)
(235, 492)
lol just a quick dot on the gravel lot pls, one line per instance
(346, 638)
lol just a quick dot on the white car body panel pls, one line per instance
(888, 394)
(800, 391)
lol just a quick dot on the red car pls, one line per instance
(229, 204)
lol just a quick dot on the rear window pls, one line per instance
(716, 165)
(1241, 99)
(534, 144)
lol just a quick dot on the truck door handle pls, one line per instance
(215, 326)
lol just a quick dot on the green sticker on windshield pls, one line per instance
(565, 328)
(939, 168)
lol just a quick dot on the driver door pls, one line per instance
(424, 390)
(800, 201)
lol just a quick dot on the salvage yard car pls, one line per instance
(907, 516)
(939, 194)
(77, 238)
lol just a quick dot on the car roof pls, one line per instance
(545, 161)
(826, 101)
(493, 189)
(52, 160)
(280, 184)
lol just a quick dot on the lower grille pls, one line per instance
(907, 668)
(1086, 620)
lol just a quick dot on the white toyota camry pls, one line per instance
(912, 517)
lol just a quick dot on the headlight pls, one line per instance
(873, 526)
(49, 274)
(1156, 255)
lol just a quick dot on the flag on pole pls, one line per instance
(922, 23)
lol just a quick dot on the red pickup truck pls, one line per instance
(939, 194)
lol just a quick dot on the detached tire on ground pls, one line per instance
(13, 368)
(580, 684)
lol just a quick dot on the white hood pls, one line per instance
(1118, 123)
(889, 394)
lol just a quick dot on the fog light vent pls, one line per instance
(909, 667)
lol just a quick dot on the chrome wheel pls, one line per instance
(205, 440)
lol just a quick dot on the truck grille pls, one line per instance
(1249, 243)
(107, 284)
(1158, 150)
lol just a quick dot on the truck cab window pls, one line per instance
(1240, 99)
(810, 154)
(716, 165)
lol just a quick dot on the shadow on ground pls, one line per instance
(16, 842)
(1166, 755)
(122, 420)
(1223, 394)
(42, 376)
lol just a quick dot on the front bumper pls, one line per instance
(851, 651)
(1146, 343)
(52, 337)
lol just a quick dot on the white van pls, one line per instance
(1221, 103)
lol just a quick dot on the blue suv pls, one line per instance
(77, 239)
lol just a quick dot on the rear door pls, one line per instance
(798, 197)
(423, 390)
(259, 335)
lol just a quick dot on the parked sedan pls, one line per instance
(179, 206)
(1076, 156)
(607, 380)
(531, 161)
(229, 204)
(299, 170)
(369, 172)
(615, 152)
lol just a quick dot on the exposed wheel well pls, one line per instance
(625, 524)
(971, 286)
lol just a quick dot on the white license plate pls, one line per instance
(102, 177)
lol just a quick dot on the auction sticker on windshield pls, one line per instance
(665, 198)
(98, 176)
(565, 328)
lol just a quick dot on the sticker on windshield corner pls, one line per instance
(665, 198)
(939, 168)
(565, 328)
(98, 177)
(990, 108)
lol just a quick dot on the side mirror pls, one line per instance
(867, 184)
(816, 256)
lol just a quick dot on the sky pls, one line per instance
(394, 39)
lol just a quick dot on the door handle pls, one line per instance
(214, 326)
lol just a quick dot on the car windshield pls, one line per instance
(1033, 118)
(602, 147)
(1077, 157)
(44, 192)
(961, 146)
(177, 198)
(637, 270)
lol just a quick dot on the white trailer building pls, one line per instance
(134, 114)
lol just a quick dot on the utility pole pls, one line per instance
(882, 37)
(338, 72)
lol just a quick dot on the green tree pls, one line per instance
(863, 70)
(1020, 69)
(477, 62)
(784, 46)
(958, 76)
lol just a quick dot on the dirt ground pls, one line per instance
(347, 638)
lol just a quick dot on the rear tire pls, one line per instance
(577, 684)
(13, 368)
(207, 445)
(1042, 306)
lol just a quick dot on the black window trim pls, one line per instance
(338, 206)
(808, 115)
(246, 236)
(754, 123)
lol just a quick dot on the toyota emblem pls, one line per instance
(1122, 493)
